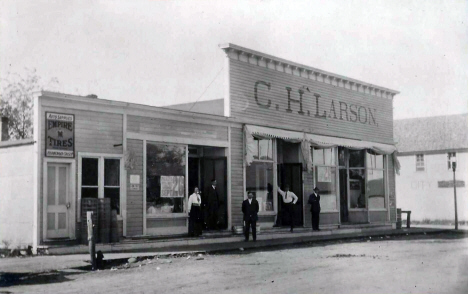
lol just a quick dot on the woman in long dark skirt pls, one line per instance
(195, 214)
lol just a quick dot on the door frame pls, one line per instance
(71, 194)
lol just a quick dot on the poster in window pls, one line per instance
(323, 174)
(60, 135)
(172, 186)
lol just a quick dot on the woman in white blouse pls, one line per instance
(195, 215)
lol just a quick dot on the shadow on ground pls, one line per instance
(15, 279)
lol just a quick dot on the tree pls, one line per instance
(16, 102)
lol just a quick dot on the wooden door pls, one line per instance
(58, 201)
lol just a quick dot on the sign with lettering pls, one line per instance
(60, 135)
(322, 105)
(172, 186)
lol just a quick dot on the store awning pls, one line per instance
(307, 140)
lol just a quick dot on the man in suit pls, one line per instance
(211, 205)
(314, 201)
(250, 209)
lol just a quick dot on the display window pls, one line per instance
(260, 175)
(324, 161)
(165, 179)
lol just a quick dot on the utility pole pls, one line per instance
(92, 245)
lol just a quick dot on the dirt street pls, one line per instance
(425, 264)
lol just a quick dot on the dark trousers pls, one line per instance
(250, 224)
(289, 209)
(315, 220)
(212, 217)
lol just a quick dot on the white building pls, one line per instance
(425, 184)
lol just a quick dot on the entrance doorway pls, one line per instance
(58, 201)
(216, 168)
(344, 195)
(291, 174)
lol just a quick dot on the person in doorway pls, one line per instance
(314, 201)
(289, 200)
(212, 206)
(250, 209)
(195, 215)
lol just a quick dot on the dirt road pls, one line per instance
(432, 264)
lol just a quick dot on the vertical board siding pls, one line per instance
(391, 192)
(237, 175)
(95, 132)
(164, 127)
(271, 104)
(135, 198)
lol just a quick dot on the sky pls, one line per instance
(167, 52)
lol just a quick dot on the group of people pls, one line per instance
(208, 211)
(250, 208)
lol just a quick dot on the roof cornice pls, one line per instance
(279, 64)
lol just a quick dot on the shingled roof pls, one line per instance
(435, 133)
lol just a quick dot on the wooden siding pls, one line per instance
(135, 198)
(329, 218)
(166, 223)
(377, 216)
(163, 127)
(237, 175)
(95, 132)
(243, 77)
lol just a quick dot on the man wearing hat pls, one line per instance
(314, 201)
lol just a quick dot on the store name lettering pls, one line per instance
(335, 110)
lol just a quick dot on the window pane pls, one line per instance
(357, 188)
(326, 182)
(329, 156)
(374, 160)
(376, 189)
(89, 192)
(342, 156)
(255, 149)
(114, 195)
(260, 182)
(317, 156)
(111, 172)
(356, 158)
(165, 178)
(265, 149)
(89, 171)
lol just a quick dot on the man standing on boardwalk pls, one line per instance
(211, 205)
(289, 199)
(314, 201)
(250, 209)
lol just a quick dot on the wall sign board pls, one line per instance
(60, 135)
(263, 95)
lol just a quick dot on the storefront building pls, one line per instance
(283, 123)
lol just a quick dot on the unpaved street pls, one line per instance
(427, 264)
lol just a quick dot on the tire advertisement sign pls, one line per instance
(60, 135)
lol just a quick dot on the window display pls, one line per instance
(259, 178)
(165, 178)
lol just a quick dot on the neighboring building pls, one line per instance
(283, 123)
(425, 148)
